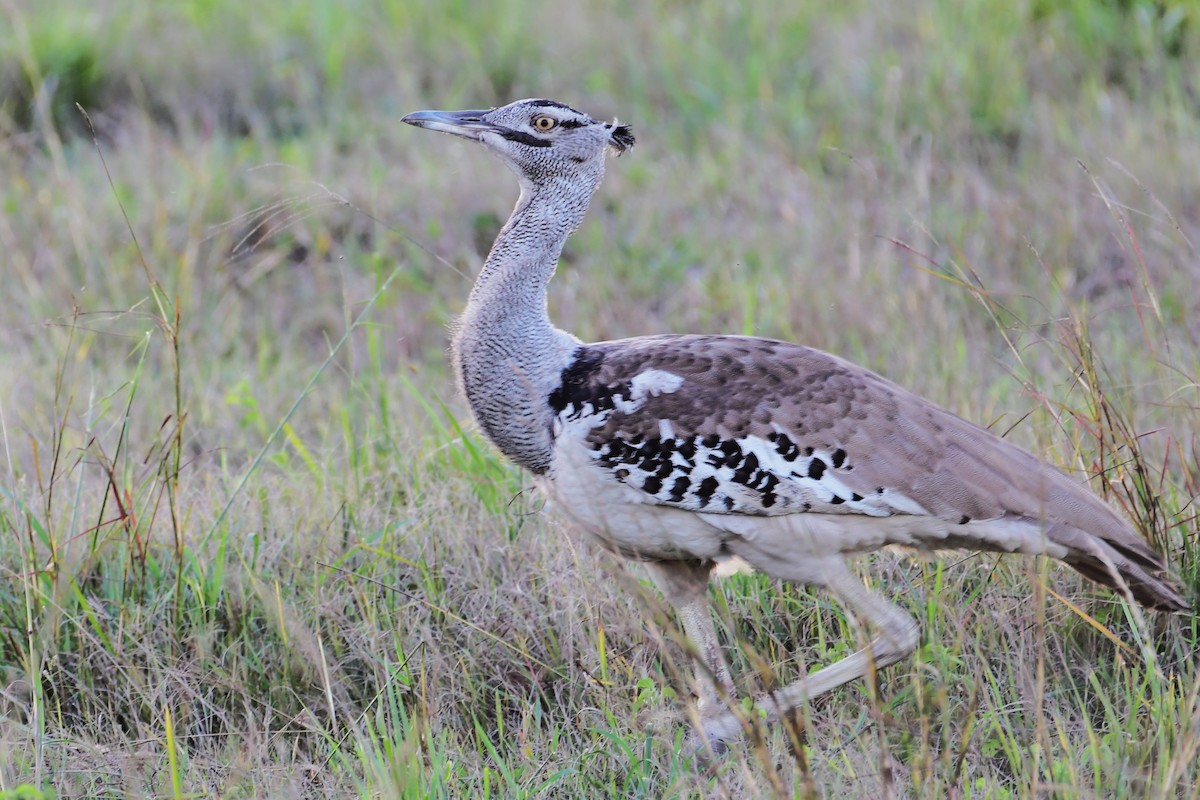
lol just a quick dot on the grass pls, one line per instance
(250, 544)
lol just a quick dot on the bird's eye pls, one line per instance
(544, 123)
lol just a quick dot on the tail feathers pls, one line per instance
(1127, 565)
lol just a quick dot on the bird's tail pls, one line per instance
(1125, 563)
(1115, 557)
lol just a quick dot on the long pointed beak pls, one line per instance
(467, 124)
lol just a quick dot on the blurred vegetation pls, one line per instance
(272, 70)
(251, 546)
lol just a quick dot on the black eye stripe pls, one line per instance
(524, 138)
(571, 123)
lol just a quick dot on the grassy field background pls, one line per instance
(251, 547)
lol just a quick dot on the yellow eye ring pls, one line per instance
(542, 122)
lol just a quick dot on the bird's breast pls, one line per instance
(621, 518)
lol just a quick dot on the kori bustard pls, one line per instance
(683, 451)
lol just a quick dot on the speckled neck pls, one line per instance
(507, 354)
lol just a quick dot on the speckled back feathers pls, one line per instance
(764, 427)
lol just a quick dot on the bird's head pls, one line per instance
(538, 139)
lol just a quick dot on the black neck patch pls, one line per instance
(576, 388)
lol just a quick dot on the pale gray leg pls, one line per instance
(896, 637)
(685, 586)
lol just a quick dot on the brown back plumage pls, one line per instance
(870, 437)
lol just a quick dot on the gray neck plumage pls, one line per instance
(507, 354)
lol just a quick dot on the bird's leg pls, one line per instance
(685, 586)
(712, 673)
(896, 637)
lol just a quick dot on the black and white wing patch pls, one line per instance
(640, 425)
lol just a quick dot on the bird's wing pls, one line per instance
(749, 426)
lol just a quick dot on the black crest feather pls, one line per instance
(622, 138)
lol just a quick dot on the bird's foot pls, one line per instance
(700, 744)
(710, 742)
(722, 728)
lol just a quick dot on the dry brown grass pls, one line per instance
(334, 590)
